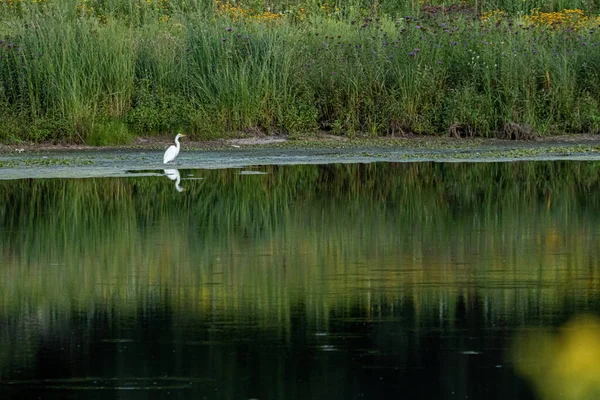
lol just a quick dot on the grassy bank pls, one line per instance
(105, 71)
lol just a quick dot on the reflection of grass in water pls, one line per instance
(388, 239)
(332, 237)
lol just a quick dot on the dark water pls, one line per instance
(416, 281)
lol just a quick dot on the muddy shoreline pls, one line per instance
(145, 157)
(320, 140)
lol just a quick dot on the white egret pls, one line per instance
(173, 175)
(172, 151)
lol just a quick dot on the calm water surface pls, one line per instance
(409, 280)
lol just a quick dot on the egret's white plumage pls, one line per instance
(172, 151)
(173, 175)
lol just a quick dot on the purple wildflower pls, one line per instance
(229, 29)
(223, 39)
(412, 53)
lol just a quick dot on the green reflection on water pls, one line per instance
(521, 237)
(340, 235)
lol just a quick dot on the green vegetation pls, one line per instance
(103, 71)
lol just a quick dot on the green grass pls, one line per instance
(74, 71)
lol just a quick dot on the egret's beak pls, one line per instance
(182, 135)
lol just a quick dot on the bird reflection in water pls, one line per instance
(173, 175)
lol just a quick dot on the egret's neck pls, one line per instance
(177, 143)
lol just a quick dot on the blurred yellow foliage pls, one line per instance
(566, 365)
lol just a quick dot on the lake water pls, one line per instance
(383, 280)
